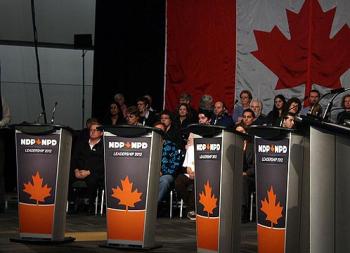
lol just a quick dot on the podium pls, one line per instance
(43, 162)
(218, 182)
(279, 168)
(329, 188)
(132, 166)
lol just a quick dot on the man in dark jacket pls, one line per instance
(87, 162)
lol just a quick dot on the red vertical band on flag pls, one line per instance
(200, 50)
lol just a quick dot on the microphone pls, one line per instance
(53, 113)
(339, 90)
(38, 118)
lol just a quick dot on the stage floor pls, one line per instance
(175, 235)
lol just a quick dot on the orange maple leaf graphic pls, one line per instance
(270, 208)
(125, 194)
(208, 199)
(36, 190)
(311, 55)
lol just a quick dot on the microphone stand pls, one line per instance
(337, 92)
(83, 90)
(53, 113)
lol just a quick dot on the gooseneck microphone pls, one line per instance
(53, 113)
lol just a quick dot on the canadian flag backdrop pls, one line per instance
(270, 47)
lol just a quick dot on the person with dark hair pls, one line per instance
(147, 117)
(171, 155)
(204, 116)
(274, 117)
(182, 118)
(288, 120)
(114, 115)
(186, 98)
(245, 98)
(220, 117)
(133, 116)
(248, 175)
(5, 117)
(185, 181)
(313, 98)
(87, 163)
(344, 115)
(294, 105)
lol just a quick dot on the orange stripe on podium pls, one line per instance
(207, 232)
(270, 240)
(125, 225)
(35, 219)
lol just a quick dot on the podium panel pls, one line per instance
(43, 163)
(132, 166)
(329, 188)
(218, 182)
(279, 172)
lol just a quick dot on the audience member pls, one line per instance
(133, 116)
(313, 98)
(288, 120)
(147, 117)
(245, 98)
(88, 163)
(274, 117)
(248, 175)
(206, 103)
(186, 98)
(150, 101)
(120, 100)
(294, 105)
(114, 116)
(182, 118)
(344, 115)
(220, 117)
(171, 156)
(257, 106)
(184, 182)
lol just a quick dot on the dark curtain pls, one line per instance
(129, 52)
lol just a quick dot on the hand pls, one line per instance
(245, 174)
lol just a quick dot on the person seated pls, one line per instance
(186, 98)
(288, 120)
(294, 105)
(344, 115)
(147, 117)
(245, 98)
(274, 117)
(150, 100)
(312, 100)
(220, 116)
(257, 106)
(120, 100)
(88, 163)
(184, 183)
(171, 156)
(248, 175)
(133, 116)
(114, 116)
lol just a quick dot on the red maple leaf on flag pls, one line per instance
(310, 56)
